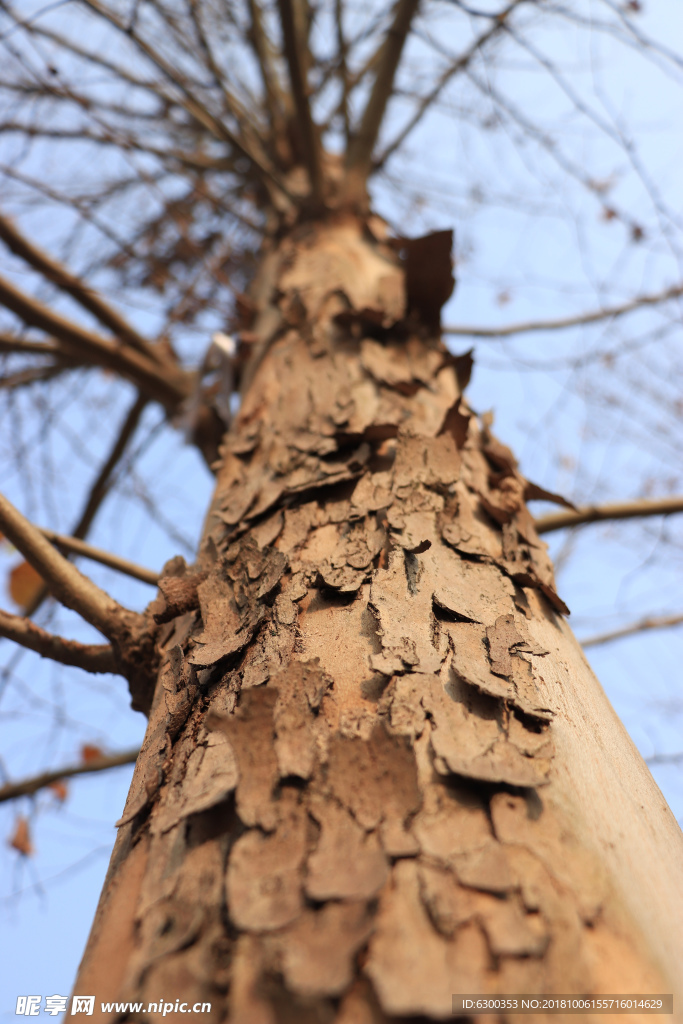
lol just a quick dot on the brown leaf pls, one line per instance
(89, 753)
(60, 789)
(21, 838)
(25, 584)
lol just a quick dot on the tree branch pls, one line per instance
(73, 286)
(458, 65)
(342, 51)
(28, 787)
(167, 385)
(98, 492)
(359, 153)
(260, 44)
(637, 509)
(190, 103)
(89, 657)
(292, 31)
(11, 344)
(79, 547)
(528, 326)
(649, 622)
(33, 374)
(100, 487)
(63, 579)
(665, 758)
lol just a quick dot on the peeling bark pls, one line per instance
(378, 770)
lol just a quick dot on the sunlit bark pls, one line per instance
(378, 769)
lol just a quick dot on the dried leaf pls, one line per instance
(25, 584)
(21, 838)
(90, 753)
(60, 789)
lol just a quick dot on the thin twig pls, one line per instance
(28, 787)
(595, 316)
(649, 622)
(97, 494)
(102, 483)
(196, 109)
(33, 375)
(11, 344)
(459, 64)
(89, 657)
(168, 385)
(637, 509)
(665, 758)
(73, 286)
(95, 554)
(80, 547)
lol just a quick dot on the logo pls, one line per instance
(83, 1004)
(28, 1006)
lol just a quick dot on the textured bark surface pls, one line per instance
(378, 770)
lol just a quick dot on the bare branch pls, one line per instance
(100, 487)
(13, 790)
(342, 51)
(11, 343)
(33, 375)
(276, 99)
(168, 385)
(72, 285)
(294, 35)
(359, 154)
(97, 494)
(64, 581)
(80, 547)
(90, 657)
(190, 103)
(649, 622)
(638, 509)
(665, 758)
(251, 130)
(527, 327)
(453, 69)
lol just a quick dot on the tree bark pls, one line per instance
(378, 769)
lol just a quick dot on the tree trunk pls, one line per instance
(378, 769)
